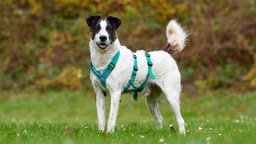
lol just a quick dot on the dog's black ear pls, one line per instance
(115, 22)
(92, 20)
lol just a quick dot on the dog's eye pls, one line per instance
(109, 29)
(97, 28)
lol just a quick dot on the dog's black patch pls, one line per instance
(92, 20)
(95, 30)
(93, 23)
(112, 24)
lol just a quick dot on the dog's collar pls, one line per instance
(103, 77)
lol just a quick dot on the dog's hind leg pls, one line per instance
(152, 101)
(172, 94)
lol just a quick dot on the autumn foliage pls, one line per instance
(44, 43)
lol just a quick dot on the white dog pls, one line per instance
(116, 69)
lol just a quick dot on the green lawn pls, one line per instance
(70, 117)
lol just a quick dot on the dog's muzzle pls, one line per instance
(102, 44)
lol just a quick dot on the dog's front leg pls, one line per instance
(115, 99)
(101, 107)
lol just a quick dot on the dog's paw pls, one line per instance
(101, 128)
(182, 132)
(110, 130)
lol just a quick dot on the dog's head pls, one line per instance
(103, 31)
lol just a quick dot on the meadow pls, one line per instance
(69, 117)
(45, 91)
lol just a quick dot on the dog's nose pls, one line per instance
(103, 38)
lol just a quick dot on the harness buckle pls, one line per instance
(111, 66)
(135, 68)
(150, 63)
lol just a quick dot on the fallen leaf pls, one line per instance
(105, 133)
(68, 131)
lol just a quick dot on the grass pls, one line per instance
(70, 117)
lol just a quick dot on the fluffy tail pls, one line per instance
(176, 36)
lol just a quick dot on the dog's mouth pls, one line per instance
(102, 45)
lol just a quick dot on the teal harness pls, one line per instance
(103, 77)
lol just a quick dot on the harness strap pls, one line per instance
(150, 64)
(131, 81)
(103, 77)
(134, 73)
(135, 69)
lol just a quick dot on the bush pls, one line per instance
(42, 41)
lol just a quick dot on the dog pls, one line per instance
(156, 72)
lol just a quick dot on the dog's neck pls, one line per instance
(101, 58)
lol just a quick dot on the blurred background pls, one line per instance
(44, 43)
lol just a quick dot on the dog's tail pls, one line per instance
(176, 36)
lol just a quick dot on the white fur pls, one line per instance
(176, 36)
(164, 68)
